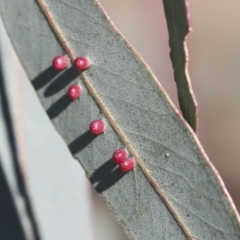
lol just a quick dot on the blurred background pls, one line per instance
(65, 205)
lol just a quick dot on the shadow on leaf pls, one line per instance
(106, 176)
(81, 142)
(58, 106)
(61, 82)
(44, 77)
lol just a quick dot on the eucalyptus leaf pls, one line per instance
(174, 192)
(178, 23)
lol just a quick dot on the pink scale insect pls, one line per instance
(120, 157)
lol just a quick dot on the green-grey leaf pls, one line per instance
(174, 191)
(178, 28)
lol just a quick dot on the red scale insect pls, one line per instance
(119, 156)
(127, 165)
(59, 63)
(73, 92)
(97, 127)
(81, 63)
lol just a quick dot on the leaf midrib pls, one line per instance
(63, 42)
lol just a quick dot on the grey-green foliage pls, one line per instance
(178, 23)
(165, 149)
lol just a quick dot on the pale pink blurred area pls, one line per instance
(214, 67)
(214, 50)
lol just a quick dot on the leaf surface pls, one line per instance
(178, 21)
(174, 192)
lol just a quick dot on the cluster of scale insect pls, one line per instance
(97, 126)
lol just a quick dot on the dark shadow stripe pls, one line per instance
(81, 142)
(10, 225)
(106, 176)
(13, 148)
(44, 78)
(61, 82)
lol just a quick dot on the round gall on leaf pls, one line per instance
(96, 127)
(81, 63)
(127, 165)
(119, 156)
(73, 92)
(59, 63)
